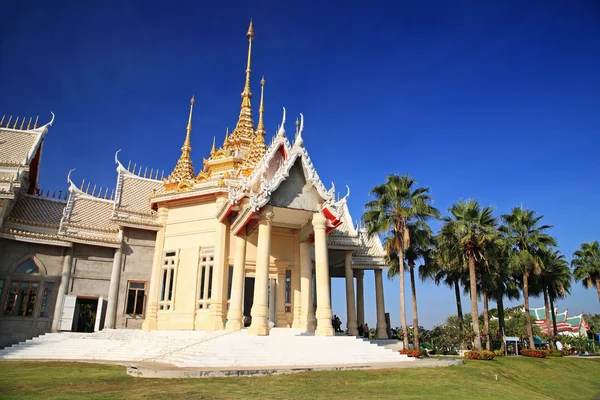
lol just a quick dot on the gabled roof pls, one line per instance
(18, 146)
(88, 219)
(132, 199)
(37, 211)
(35, 219)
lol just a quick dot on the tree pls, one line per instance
(418, 251)
(396, 205)
(446, 265)
(528, 241)
(555, 280)
(586, 263)
(470, 228)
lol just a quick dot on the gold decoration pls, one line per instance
(258, 147)
(202, 177)
(184, 170)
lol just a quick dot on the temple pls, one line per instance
(565, 324)
(249, 238)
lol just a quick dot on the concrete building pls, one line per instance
(253, 240)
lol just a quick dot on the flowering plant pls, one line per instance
(480, 355)
(411, 353)
(535, 353)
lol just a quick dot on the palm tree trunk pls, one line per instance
(598, 288)
(501, 325)
(411, 269)
(474, 310)
(547, 307)
(402, 300)
(527, 314)
(486, 321)
(553, 316)
(461, 321)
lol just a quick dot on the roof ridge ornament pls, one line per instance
(184, 169)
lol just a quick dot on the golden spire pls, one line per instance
(261, 125)
(241, 137)
(214, 150)
(246, 94)
(184, 170)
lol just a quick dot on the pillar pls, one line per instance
(350, 303)
(113, 290)
(280, 320)
(151, 318)
(323, 314)
(216, 313)
(296, 296)
(259, 310)
(360, 297)
(381, 325)
(307, 313)
(235, 317)
(63, 288)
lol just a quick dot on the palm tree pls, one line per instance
(503, 285)
(555, 280)
(586, 262)
(470, 228)
(445, 265)
(396, 205)
(528, 242)
(418, 250)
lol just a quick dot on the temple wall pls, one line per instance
(90, 273)
(189, 229)
(138, 252)
(14, 329)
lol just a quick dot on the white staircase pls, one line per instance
(283, 347)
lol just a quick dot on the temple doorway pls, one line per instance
(248, 298)
(84, 317)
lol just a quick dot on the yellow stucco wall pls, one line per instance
(191, 231)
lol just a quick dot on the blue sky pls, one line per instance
(492, 100)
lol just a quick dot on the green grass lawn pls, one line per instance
(518, 378)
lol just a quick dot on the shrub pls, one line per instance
(423, 352)
(558, 353)
(411, 353)
(535, 353)
(480, 355)
(498, 353)
(432, 352)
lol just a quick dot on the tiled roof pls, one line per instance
(136, 193)
(37, 211)
(16, 145)
(92, 214)
(371, 246)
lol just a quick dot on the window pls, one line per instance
(28, 267)
(205, 284)
(230, 282)
(136, 292)
(21, 298)
(167, 281)
(48, 287)
(288, 291)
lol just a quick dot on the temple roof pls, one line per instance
(37, 211)
(16, 146)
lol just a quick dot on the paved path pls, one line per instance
(157, 370)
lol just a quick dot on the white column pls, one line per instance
(235, 317)
(216, 313)
(360, 297)
(151, 319)
(280, 320)
(113, 290)
(296, 296)
(323, 314)
(259, 310)
(381, 325)
(350, 303)
(307, 315)
(62, 288)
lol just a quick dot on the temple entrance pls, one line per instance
(248, 299)
(84, 317)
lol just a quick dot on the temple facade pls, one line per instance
(252, 240)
